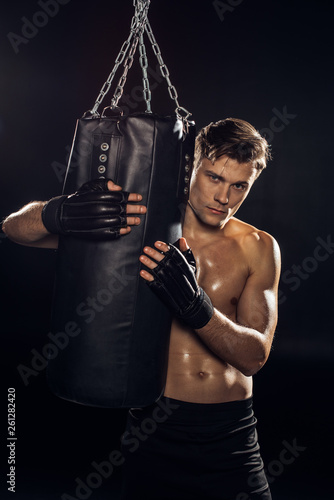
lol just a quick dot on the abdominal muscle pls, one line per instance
(197, 375)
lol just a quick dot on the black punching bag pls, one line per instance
(111, 331)
(116, 329)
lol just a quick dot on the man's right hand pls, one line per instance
(97, 211)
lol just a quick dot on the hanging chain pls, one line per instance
(144, 65)
(141, 20)
(106, 86)
(165, 73)
(139, 24)
(127, 65)
(141, 9)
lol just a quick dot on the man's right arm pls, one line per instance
(26, 227)
(98, 210)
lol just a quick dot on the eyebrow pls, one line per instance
(210, 172)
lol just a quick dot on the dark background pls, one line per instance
(256, 60)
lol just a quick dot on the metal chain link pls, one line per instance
(106, 86)
(139, 24)
(165, 73)
(144, 65)
(141, 7)
(141, 18)
(127, 65)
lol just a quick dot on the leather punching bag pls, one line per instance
(111, 331)
(117, 329)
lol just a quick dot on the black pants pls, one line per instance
(188, 451)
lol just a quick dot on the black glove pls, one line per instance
(93, 212)
(175, 284)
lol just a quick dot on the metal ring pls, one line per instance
(113, 108)
(179, 110)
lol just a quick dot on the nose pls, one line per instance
(222, 195)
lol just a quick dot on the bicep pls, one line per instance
(257, 306)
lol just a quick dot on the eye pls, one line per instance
(239, 187)
(214, 178)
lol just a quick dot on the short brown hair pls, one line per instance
(235, 138)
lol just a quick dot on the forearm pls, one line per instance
(25, 226)
(240, 346)
(173, 280)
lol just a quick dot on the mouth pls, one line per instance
(216, 211)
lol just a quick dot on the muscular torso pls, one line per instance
(195, 373)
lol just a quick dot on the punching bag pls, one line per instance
(112, 331)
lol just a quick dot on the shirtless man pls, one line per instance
(207, 447)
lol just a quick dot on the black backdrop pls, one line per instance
(268, 62)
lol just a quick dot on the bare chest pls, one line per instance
(222, 271)
(195, 373)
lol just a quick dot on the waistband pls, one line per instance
(188, 413)
(241, 404)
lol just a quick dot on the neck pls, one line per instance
(194, 228)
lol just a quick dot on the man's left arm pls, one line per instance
(246, 342)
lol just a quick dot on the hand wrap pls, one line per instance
(93, 212)
(175, 284)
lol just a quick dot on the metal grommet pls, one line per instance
(101, 169)
(186, 190)
(187, 168)
(101, 177)
(104, 146)
(187, 157)
(186, 179)
(103, 158)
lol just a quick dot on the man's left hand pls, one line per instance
(172, 278)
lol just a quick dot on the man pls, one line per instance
(207, 448)
(223, 294)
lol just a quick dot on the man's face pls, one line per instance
(217, 190)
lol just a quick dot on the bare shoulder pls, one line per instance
(261, 248)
